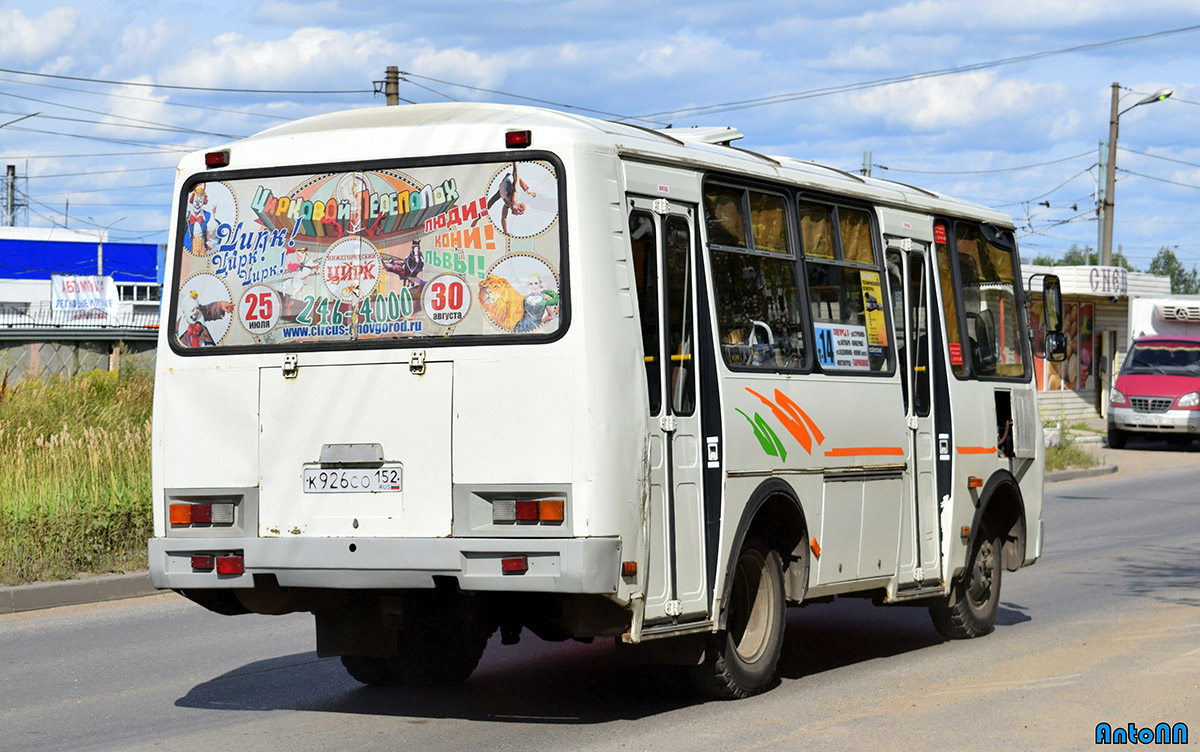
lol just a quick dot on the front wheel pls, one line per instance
(1117, 438)
(975, 597)
(740, 660)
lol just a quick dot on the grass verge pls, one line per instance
(1067, 455)
(74, 476)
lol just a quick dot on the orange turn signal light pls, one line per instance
(973, 482)
(629, 569)
(816, 547)
(181, 514)
(550, 510)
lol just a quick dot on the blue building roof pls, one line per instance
(38, 259)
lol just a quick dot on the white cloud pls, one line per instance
(951, 102)
(31, 38)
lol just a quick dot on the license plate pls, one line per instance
(385, 479)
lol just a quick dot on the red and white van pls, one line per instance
(1157, 393)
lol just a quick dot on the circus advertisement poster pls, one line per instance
(362, 255)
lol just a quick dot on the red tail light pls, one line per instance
(514, 564)
(232, 564)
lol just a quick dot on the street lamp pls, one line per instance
(101, 236)
(1110, 171)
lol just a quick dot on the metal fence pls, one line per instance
(43, 321)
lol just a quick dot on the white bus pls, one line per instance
(436, 371)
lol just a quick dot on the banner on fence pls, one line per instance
(78, 298)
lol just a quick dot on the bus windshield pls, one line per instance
(369, 256)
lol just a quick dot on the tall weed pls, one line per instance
(74, 476)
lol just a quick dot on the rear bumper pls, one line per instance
(1172, 421)
(556, 565)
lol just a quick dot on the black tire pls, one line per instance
(440, 649)
(1117, 438)
(376, 672)
(975, 597)
(740, 660)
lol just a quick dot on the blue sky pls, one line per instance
(1010, 135)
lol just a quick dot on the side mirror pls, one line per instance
(1056, 347)
(1052, 305)
(1047, 337)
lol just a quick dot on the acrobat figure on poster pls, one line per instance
(199, 211)
(508, 194)
(408, 268)
(193, 315)
(297, 270)
(540, 306)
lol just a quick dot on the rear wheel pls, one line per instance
(975, 598)
(440, 649)
(1117, 438)
(740, 660)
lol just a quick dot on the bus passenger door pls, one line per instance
(908, 272)
(663, 241)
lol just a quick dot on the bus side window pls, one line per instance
(755, 280)
(845, 288)
(645, 270)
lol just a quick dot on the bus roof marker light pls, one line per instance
(217, 158)
(518, 139)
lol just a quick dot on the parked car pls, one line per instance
(1157, 394)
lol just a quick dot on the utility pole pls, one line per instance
(11, 195)
(1100, 194)
(1110, 167)
(391, 85)
(1110, 175)
(866, 168)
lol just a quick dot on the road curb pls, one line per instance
(1087, 472)
(74, 592)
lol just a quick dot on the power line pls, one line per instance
(158, 152)
(1155, 156)
(527, 99)
(146, 124)
(165, 148)
(108, 189)
(985, 172)
(188, 88)
(96, 172)
(143, 100)
(1161, 180)
(828, 90)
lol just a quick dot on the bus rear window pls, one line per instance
(370, 256)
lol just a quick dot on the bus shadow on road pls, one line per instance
(825, 637)
(569, 683)
(533, 682)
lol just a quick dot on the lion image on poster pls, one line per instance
(504, 304)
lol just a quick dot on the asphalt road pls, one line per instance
(1105, 628)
